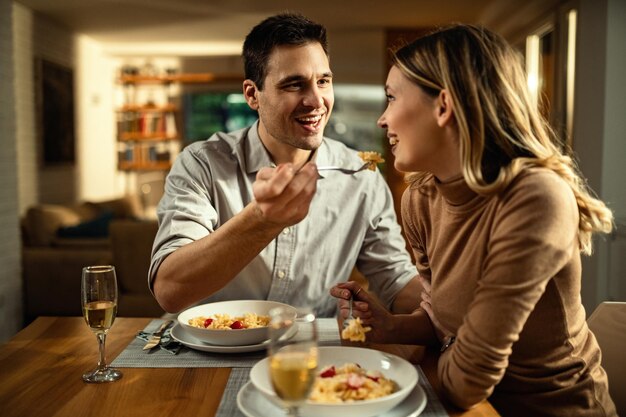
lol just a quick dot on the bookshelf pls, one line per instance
(149, 121)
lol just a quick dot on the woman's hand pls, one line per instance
(367, 308)
(426, 304)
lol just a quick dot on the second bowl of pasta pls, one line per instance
(350, 382)
(230, 323)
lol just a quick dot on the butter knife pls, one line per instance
(156, 336)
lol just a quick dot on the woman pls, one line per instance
(496, 216)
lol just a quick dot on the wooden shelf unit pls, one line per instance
(144, 166)
(148, 131)
(148, 108)
(180, 78)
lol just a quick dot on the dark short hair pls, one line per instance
(281, 29)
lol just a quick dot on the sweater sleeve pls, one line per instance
(412, 234)
(534, 234)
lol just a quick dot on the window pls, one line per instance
(550, 62)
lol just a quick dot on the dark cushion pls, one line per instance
(43, 221)
(97, 227)
(82, 243)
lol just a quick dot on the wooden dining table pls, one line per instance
(42, 365)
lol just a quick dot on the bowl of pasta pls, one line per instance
(350, 382)
(231, 323)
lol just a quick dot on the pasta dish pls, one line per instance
(373, 158)
(350, 383)
(355, 331)
(226, 322)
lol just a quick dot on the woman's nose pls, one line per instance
(381, 122)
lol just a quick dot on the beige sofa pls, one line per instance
(59, 240)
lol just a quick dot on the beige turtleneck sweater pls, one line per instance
(506, 275)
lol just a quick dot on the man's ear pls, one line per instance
(445, 108)
(250, 92)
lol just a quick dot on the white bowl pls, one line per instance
(229, 337)
(392, 367)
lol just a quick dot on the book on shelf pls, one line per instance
(144, 153)
(170, 125)
(155, 125)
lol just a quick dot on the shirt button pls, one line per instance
(281, 274)
(286, 231)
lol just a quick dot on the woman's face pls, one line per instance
(419, 141)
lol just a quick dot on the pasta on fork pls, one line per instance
(373, 158)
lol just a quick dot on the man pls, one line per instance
(293, 233)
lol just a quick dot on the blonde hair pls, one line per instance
(501, 131)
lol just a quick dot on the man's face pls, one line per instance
(297, 97)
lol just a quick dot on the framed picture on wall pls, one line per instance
(56, 112)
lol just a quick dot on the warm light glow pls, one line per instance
(533, 85)
(532, 66)
(571, 64)
(173, 48)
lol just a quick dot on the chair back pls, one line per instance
(608, 324)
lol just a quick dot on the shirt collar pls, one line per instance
(256, 155)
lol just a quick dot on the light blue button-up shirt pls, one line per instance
(351, 222)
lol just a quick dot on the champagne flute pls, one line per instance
(99, 303)
(293, 361)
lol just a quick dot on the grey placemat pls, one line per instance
(228, 407)
(239, 376)
(134, 357)
(434, 408)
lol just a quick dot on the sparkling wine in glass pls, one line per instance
(293, 361)
(99, 302)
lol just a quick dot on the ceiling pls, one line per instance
(224, 23)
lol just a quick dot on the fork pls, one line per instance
(345, 322)
(156, 336)
(344, 170)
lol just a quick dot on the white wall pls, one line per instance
(613, 176)
(98, 178)
(27, 150)
(89, 178)
(36, 37)
(54, 43)
(615, 109)
(10, 270)
(598, 138)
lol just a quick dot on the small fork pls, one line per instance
(344, 170)
(156, 336)
(345, 322)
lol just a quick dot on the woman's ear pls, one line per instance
(250, 94)
(445, 109)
